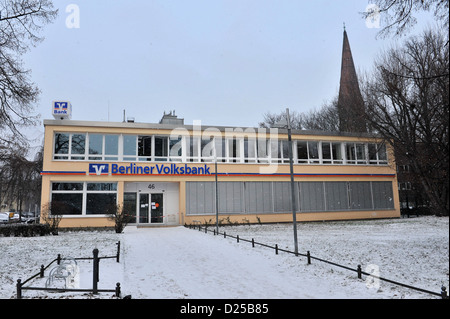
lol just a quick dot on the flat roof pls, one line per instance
(140, 125)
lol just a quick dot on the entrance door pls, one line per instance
(157, 208)
(151, 204)
(143, 208)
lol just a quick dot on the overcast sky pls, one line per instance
(224, 62)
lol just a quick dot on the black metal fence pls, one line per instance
(443, 294)
(95, 276)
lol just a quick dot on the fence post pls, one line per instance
(214, 232)
(237, 237)
(95, 274)
(42, 271)
(58, 259)
(444, 293)
(19, 289)
(276, 249)
(224, 235)
(118, 289)
(118, 251)
(253, 243)
(309, 257)
(359, 272)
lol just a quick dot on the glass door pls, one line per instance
(143, 208)
(157, 208)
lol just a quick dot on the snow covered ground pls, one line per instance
(176, 262)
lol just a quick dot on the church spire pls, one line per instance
(350, 102)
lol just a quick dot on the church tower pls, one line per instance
(350, 102)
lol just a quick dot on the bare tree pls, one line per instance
(407, 102)
(20, 23)
(273, 118)
(398, 16)
(326, 118)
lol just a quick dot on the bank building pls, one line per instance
(171, 173)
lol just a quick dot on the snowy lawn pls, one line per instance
(177, 262)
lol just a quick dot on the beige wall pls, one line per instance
(57, 166)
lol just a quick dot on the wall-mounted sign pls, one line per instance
(154, 169)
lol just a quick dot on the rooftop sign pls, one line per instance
(61, 110)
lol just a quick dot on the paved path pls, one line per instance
(183, 263)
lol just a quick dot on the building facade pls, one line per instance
(165, 174)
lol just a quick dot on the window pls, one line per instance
(313, 152)
(302, 151)
(83, 198)
(69, 146)
(129, 143)
(219, 148)
(338, 155)
(326, 153)
(262, 150)
(360, 153)
(111, 147)
(95, 146)
(234, 150)
(249, 150)
(332, 153)
(377, 154)
(78, 146)
(175, 148)
(193, 154)
(308, 152)
(67, 199)
(100, 198)
(161, 148)
(145, 148)
(61, 150)
(207, 149)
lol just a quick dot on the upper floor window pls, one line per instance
(147, 148)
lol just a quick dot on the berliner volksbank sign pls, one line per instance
(154, 169)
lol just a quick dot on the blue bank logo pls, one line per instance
(98, 169)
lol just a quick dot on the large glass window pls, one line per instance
(69, 198)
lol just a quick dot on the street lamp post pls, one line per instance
(217, 196)
(281, 124)
(294, 216)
